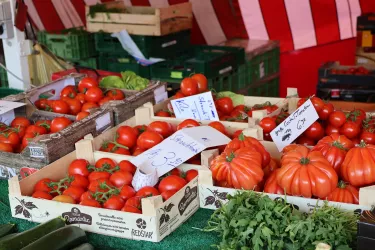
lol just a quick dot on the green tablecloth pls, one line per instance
(185, 237)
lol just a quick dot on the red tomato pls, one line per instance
(149, 139)
(115, 94)
(337, 118)
(27, 137)
(224, 105)
(131, 209)
(105, 163)
(43, 185)
(64, 199)
(20, 122)
(178, 95)
(357, 116)
(237, 133)
(188, 123)
(44, 123)
(171, 182)
(176, 172)
(303, 140)
(115, 202)
(21, 131)
(79, 167)
(113, 148)
(93, 94)
(99, 185)
(90, 203)
(301, 101)
(191, 174)
(74, 192)
(96, 175)
(68, 91)
(10, 137)
(126, 136)
(267, 124)
(127, 192)
(104, 101)
(42, 104)
(42, 195)
(3, 126)
(121, 178)
(168, 194)
(87, 83)
(89, 105)
(350, 129)
(315, 131)
(165, 129)
(134, 202)
(368, 137)
(127, 166)
(202, 82)
(81, 98)
(79, 181)
(147, 191)
(162, 113)
(218, 126)
(59, 123)
(331, 130)
(38, 130)
(6, 147)
(138, 151)
(356, 141)
(189, 86)
(86, 196)
(74, 106)
(140, 129)
(60, 107)
(82, 115)
(326, 111)
(318, 103)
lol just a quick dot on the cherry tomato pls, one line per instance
(267, 124)
(127, 192)
(337, 118)
(315, 131)
(162, 113)
(165, 129)
(89, 105)
(59, 123)
(79, 167)
(74, 192)
(79, 181)
(202, 82)
(64, 199)
(190, 175)
(115, 202)
(149, 139)
(368, 137)
(224, 105)
(326, 111)
(81, 98)
(126, 136)
(171, 182)
(42, 195)
(218, 126)
(147, 191)
(127, 166)
(115, 94)
(188, 123)
(10, 137)
(90, 203)
(68, 91)
(168, 194)
(131, 209)
(121, 178)
(6, 147)
(303, 140)
(105, 163)
(96, 175)
(350, 129)
(43, 185)
(20, 122)
(104, 101)
(74, 106)
(86, 83)
(82, 115)
(189, 86)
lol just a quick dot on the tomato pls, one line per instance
(115, 202)
(315, 131)
(331, 130)
(43, 185)
(59, 123)
(79, 167)
(318, 103)
(171, 182)
(60, 107)
(237, 133)
(90, 203)
(113, 148)
(86, 83)
(3, 126)
(126, 136)
(99, 185)
(134, 202)
(366, 136)
(178, 95)
(64, 199)
(191, 174)
(326, 111)
(104, 101)
(127, 166)
(86, 196)
(337, 118)
(21, 131)
(81, 98)
(147, 191)
(74, 106)
(218, 126)
(149, 139)
(96, 175)
(350, 129)
(20, 122)
(68, 91)
(44, 123)
(224, 105)
(138, 151)
(93, 94)
(38, 130)
(189, 86)
(89, 105)
(115, 94)
(304, 140)
(202, 82)
(10, 137)
(127, 192)
(357, 116)
(162, 113)
(74, 192)
(105, 163)
(140, 129)
(168, 194)
(188, 123)
(6, 147)
(131, 209)
(82, 115)
(121, 178)
(79, 181)
(176, 172)
(27, 137)
(165, 129)
(356, 141)
(267, 124)
(301, 101)
(42, 104)
(42, 195)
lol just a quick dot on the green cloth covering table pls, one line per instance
(186, 237)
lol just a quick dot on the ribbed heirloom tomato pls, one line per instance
(344, 193)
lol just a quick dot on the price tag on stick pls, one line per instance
(201, 107)
(174, 151)
(294, 125)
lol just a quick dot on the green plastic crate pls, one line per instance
(151, 46)
(91, 62)
(123, 63)
(263, 65)
(3, 78)
(212, 61)
(74, 46)
(268, 87)
(8, 91)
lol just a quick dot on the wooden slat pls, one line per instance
(125, 18)
(147, 30)
(178, 10)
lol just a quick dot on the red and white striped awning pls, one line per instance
(297, 24)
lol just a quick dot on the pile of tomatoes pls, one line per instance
(15, 137)
(79, 100)
(351, 71)
(108, 185)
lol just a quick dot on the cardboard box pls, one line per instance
(158, 220)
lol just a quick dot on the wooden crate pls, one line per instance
(147, 21)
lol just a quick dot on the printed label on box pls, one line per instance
(294, 125)
(201, 107)
(36, 152)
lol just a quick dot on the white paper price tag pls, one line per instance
(201, 107)
(7, 110)
(103, 121)
(174, 151)
(294, 125)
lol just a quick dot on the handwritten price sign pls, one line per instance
(174, 151)
(199, 107)
(294, 125)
